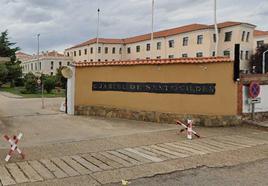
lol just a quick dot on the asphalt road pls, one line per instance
(254, 173)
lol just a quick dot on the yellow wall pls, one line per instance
(224, 102)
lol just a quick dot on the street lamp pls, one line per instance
(42, 82)
(263, 61)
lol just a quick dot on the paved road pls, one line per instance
(253, 173)
(88, 164)
(74, 150)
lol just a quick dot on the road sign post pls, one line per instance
(254, 91)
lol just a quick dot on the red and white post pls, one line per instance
(14, 146)
(190, 129)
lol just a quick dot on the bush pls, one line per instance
(3, 74)
(30, 83)
(30, 86)
(49, 83)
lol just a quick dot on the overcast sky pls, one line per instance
(63, 23)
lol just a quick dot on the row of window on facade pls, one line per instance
(38, 66)
(171, 44)
(198, 54)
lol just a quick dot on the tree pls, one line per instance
(256, 59)
(3, 73)
(61, 81)
(7, 50)
(49, 83)
(30, 83)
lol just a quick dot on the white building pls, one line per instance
(48, 63)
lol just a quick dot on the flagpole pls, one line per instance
(216, 28)
(97, 45)
(152, 34)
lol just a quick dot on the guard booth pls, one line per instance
(160, 90)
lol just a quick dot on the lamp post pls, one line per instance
(38, 60)
(263, 61)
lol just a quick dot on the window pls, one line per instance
(106, 50)
(51, 73)
(243, 35)
(214, 38)
(91, 60)
(171, 43)
(226, 53)
(247, 55)
(199, 54)
(228, 36)
(85, 51)
(241, 54)
(99, 50)
(68, 54)
(158, 57)
(99, 60)
(199, 39)
(120, 50)
(213, 53)
(147, 58)
(138, 48)
(158, 45)
(40, 66)
(51, 65)
(128, 50)
(85, 60)
(113, 50)
(171, 56)
(247, 36)
(79, 52)
(91, 50)
(74, 53)
(68, 63)
(260, 43)
(60, 64)
(106, 60)
(184, 55)
(148, 47)
(185, 41)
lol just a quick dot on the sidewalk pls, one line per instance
(109, 160)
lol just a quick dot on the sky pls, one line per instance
(64, 23)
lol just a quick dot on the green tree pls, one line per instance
(30, 83)
(3, 74)
(49, 83)
(61, 81)
(256, 59)
(7, 49)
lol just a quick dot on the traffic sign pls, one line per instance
(254, 89)
(254, 100)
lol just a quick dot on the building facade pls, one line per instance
(260, 38)
(48, 63)
(195, 40)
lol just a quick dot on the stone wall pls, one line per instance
(150, 116)
(258, 116)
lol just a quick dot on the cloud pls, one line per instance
(63, 23)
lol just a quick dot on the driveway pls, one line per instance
(49, 125)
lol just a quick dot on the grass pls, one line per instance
(17, 91)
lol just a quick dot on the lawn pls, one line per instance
(17, 91)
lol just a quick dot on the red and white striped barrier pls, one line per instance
(189, 128)
(14, 146)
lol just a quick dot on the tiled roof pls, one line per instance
(101, 40)
(164, 33)
(199, 60)
(260, 33)
(230, 23)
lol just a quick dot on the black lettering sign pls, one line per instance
(160, 88)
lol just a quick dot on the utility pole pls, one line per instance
(38, 60)
(152, 34)
(216, 28)
(98, 25)
(263, 61)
